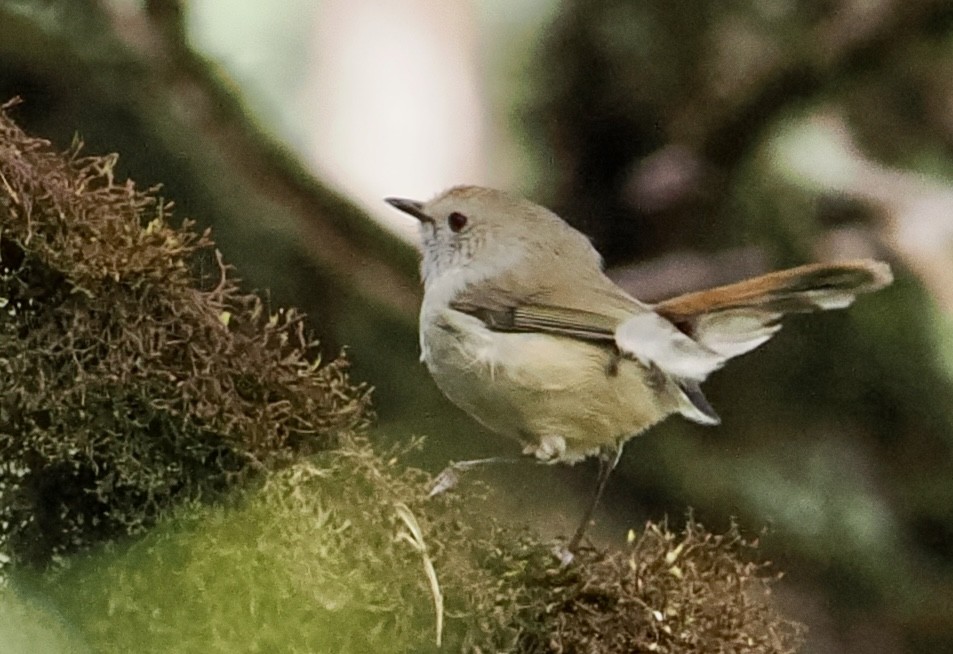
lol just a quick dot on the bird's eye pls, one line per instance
(456, 221)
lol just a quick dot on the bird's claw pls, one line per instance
(564, 555)
(450, 476)
(445, 481)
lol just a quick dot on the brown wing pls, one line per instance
(581, 304)
(576, 323)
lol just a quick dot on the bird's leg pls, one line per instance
(608, 459)
(450, 476)
(546, 450)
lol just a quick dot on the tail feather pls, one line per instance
(732, 332)
(728, 321)
(693, 404)
(733, 319)
(813, 287)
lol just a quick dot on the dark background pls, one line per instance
(695, 143)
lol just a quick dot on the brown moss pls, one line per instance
(669, 592)
(133, 373)
(677, 592)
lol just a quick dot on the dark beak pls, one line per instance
(414, 208)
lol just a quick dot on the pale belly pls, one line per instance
(559, 396)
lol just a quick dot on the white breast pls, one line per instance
(536, 388)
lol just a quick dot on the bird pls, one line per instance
(521, 328)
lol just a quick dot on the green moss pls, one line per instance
(29, 627)
(309, 561)
(312, 561)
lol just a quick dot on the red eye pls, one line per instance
(457, 221)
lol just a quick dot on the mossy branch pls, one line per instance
(137, 389)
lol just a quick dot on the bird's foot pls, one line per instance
(450, 476)
(564, 555)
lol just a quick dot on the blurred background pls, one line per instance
(695, 143)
